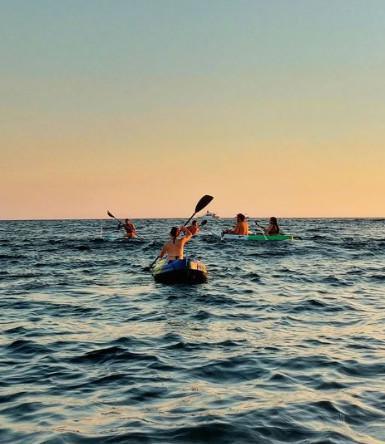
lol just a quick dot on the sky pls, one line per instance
(142, 106)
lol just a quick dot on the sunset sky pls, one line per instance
(140, 107)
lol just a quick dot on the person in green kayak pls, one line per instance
(174, 248)
(241, 227)
(272, 228)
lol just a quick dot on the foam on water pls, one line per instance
(285, 343)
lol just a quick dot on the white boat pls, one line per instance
(211, 215)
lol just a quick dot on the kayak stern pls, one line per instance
(180, 271)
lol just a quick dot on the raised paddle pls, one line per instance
(119, 222)
(202, 203)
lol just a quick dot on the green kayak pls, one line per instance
(257, 237)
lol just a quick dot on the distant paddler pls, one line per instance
(195, 228)
(130, 229)
(241, 227)
(128, 226)
(272, 229)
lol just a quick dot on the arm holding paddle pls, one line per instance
(187, 234)
(262, 229)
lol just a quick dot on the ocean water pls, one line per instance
(284, 344)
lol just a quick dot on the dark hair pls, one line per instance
(174, 233)
(241, 217)
(273, 220)
(194, 222)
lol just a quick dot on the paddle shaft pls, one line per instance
(118, 220)
(261, 229)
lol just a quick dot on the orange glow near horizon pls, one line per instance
(61, 179)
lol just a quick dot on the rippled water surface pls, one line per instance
(285, 343)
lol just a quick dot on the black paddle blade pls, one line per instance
(111, 215)
(204, 201)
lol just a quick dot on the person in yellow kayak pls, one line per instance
(130, 229)
(241, 227)
(174, 248)
(194, 228)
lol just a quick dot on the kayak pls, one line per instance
(113, 238)
(179, 271)
(257, 237)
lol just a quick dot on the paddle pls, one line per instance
(202, 203)
(261, 228)
(119, 222)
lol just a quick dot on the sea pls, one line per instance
(285, 343)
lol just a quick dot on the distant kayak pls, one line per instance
(119, 238)
(180, 271)
(257, 237)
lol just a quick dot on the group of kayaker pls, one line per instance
(242, 227)
(174, 248)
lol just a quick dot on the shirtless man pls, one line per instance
(241, 227)
(130, 229)
(194, 228)
(174, 248)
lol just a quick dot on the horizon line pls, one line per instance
(183, 217)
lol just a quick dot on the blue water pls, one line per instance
(285, 343)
